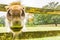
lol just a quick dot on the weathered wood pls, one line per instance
(32, 29)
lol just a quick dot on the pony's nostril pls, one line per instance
(17, 22)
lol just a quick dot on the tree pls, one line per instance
(51, 5)
(58, 7)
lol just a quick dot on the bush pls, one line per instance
(45, 19)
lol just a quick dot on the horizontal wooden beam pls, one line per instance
(32, 29)
(41, 10)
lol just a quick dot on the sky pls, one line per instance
(2, 13)
(30, 3)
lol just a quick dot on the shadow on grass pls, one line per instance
(37, 34)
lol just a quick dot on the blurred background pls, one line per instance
(42, 15)
(40, 12)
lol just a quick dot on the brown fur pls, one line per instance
(15, 10)
(15, 13)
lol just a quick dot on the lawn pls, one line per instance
(45, 38)
(39, 32)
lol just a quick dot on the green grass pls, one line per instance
(1, 25)
(40, 35)
(46, 38)
(31, 25)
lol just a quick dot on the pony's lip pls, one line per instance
(16, 26)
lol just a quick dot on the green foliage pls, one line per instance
(2, 7)
(40, 19)
(2, 22)
(58, 7)
(51, 5)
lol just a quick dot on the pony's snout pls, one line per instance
(17, 22)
